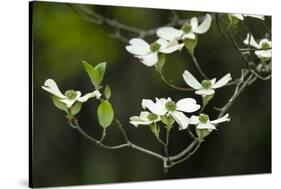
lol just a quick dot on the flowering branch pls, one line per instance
(165, 113)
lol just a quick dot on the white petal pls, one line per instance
(255, 16)
(213, 81)
(169, 33)
(162, 42)
(206, 126)
(156, 108)
(84, 98)
(187, 105)
(190, 80)
(143, 115)
(140, 122)
(189, 35)
(222, 119)
(205, 92)
(263, 53)
(224, 80)
(149, 60)
(68, 102)
(238, 16)
(194, 120)
(204, 26)
(138, 47)
(194, 22)
(252, 41)
(181, 119)
(172, 49)
(51, 86)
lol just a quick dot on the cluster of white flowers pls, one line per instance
(170, 40)
(168, 107)
(263, 47)
(70, 96)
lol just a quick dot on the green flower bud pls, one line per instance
(171, 106)
(152, 116)
(186, 28)
(154, 47)
(206, 84)
(71, 94)
(203, 118)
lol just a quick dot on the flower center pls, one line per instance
(265, 45)
(186, 28)
(171, 106)
(203, 118)
(152, 116)
(154, 47)
(206, 84)
(71, 94)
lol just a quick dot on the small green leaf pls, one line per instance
(167, 120)
(207, 99)
(155, 129)
(93, 74)
(105, 114)
(100, 68)
(202, 133)
(107, 92)
(190, 44)
(60, 105)
(161, 62)
(75, 109)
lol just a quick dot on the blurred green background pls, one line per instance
(61, 156)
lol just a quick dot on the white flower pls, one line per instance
(242, 16)
(202, 121)
(206, 87)
(188, 30)
(70, 96)
(145, 118)
(148, 53)
(164, 106)
(263, 44)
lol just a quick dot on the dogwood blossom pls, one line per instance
(242, 16)
(165, 106)
(263, 44)
(188, 30)
(148, 53)
(206, 87)
(145, 118)
(70, 96)
(202, 121)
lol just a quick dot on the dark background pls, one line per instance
(61, 156)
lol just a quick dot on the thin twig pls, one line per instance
(186, 157)
(172, 85)
(195, 61)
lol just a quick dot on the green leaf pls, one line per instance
(93, 74)
(207, 99)
(190, 44)
(60, 105)
(107, 92)
(155, 129)
(100, 68)
(105, 114)
(202, 133)
(75, 109)
(167, 120)
(161, 62)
